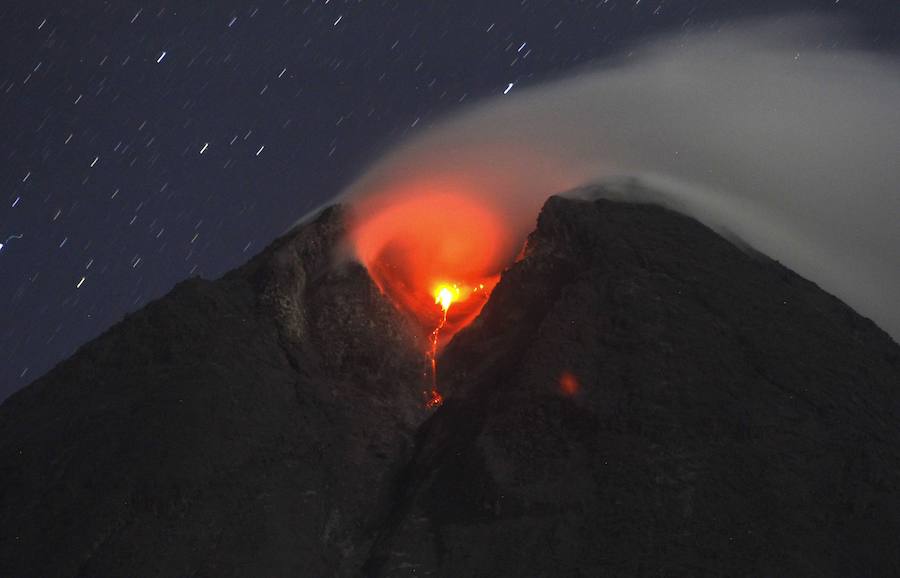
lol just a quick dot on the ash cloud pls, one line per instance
(760, 129)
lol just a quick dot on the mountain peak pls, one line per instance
(638, 396)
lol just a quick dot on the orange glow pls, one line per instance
(437, 251)
(568, 383)
(444, 295)
(430, 243)
(436, 399)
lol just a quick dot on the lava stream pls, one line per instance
(433, 242)
(444, 296)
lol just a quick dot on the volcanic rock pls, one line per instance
(639, 396)
(246, 426)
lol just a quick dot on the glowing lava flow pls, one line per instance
(423, 239)
(429, 244)
(444, 296)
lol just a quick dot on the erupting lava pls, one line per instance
(443, 296)
(418, 237)
(423, 238)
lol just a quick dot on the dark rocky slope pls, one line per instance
(730, 417)
(722, 416)
(248, 426)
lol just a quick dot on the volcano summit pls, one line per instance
(637, 396)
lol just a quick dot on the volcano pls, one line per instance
(637, 396)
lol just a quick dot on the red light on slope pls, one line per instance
(569, 384)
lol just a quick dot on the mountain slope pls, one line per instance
(638, 396)
(641, 397)
(238, 427)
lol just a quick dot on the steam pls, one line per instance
(759, 129)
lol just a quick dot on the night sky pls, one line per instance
(143, 143)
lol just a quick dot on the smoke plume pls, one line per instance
(761, 129)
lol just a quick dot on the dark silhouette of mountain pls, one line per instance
(639, 396)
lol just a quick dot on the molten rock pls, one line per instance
(639, 396)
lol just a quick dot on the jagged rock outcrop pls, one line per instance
(638, 397)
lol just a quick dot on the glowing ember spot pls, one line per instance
(568, 383)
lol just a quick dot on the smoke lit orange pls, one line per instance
(428, 246)
(436, 250)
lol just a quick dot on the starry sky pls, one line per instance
(146, 142)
